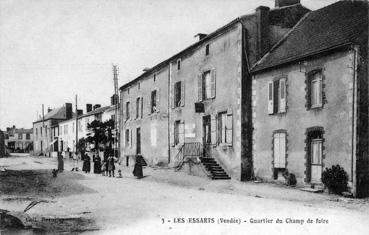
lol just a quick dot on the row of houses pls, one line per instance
(280, 89)
(57, 131)
(18, 139)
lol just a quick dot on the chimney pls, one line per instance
(88, 108)
(114, 100)
(68, 111)
(201, 36)
(96, 106)
(79, 112)
(283, 3)
(49, 109)
(262, 18)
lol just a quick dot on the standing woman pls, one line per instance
(111, 166)
(60, 162)
(86, 164)
(97, 164)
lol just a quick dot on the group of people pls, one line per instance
(106, 167)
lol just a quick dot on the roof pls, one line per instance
(274, 15)
(96, 111)
(336, 25)
(58, 113)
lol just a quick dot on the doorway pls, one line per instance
(315, 155)
(206, 138)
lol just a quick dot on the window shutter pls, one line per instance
(276, 150)
(158, 100)
(172, 134)
(270, 98)
(134, 109)
(213, 129)
(199, 86)
(183, 93)
(275, 96)
(212, 84)
(282, 150)
(282, 95)
(141, 101)
(172, 95)
(149, 103)
(229, 129)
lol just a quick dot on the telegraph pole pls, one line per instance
(76, 126)
(116, 101)
(43, 127)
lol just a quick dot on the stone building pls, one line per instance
(44, 128)
(310, 99)
(18, 139)
(198, 102)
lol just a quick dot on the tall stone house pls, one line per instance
(44, 128)
(310, 99)
(197, 103)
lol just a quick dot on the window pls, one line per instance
(20, 136)
(127, 111)
(315, 90)
(41, 131)
(279, 150)
(179, 64)
(178, 132)
(36, 133)
(207, 49)
(225, 128)
(206, 85)
(154, 77)
(28, 136)
(154, 101)
(178, 94)
(128, 91)
(127, 138)
(277, 96)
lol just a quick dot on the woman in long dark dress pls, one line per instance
(111, 166)
(86, 164)
(97, 164)
(60, 162)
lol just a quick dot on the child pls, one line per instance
(104, 169)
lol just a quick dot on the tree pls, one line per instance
(101, 134)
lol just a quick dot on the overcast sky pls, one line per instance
(51, 50)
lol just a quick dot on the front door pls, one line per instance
(316, 160)
(206, 138)
(138, 142)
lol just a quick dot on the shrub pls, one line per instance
(335, 179)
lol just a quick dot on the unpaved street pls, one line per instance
(168, 202)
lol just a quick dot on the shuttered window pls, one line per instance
(127, 111)
(225, 128)
(316, 90)
(279, 150)
(127, 138)
(206, 85)
(277, 96)
(138, 109)
(179, 132)
(154, 101)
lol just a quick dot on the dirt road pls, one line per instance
(167, 202)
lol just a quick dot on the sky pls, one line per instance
(51, 50)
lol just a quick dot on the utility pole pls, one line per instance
(76, 126)
(116, 102)
(43, 127)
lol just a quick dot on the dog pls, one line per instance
(290, 178)
(55, 173)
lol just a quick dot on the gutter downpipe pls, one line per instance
(354, 123)
(168, 107)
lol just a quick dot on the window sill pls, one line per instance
(224, 145)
